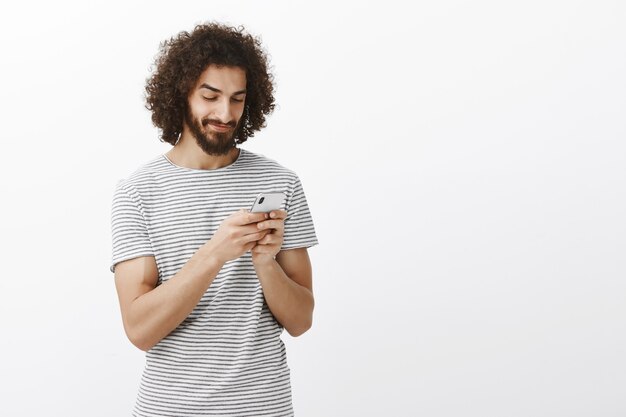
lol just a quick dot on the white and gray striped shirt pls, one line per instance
(226, 358)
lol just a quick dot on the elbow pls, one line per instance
(305, 324)
(300, 330)
(139, 340)
(141, 345)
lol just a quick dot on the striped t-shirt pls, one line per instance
(226, 358)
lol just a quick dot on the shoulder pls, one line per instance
(267, 164)
(146, 172)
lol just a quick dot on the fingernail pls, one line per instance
(273, 214)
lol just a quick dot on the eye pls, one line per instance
(209, 98)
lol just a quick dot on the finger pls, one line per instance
(248, 218)
(269, 239)
(278, 214)
(274, 238)
(253, 237)
(271, 224)
(252, 228)
(261, 249)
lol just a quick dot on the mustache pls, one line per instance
(217, 122)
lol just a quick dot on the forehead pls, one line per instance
(227, 79)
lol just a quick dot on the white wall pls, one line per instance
(465, 165)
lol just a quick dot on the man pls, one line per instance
(205, 286)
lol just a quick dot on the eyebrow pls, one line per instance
(236, 93)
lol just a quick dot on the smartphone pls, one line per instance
(266, 202)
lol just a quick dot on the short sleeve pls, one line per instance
(299, 228)
(129, 231)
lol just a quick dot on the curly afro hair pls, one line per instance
(183, 58)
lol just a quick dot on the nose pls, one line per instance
(223, 111)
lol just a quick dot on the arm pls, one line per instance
(150, 313)
(288, 290)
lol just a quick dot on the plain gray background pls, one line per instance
(464, 162)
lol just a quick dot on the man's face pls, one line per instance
(216, 104)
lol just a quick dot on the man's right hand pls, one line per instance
(237, 234)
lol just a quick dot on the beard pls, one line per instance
(211, 142)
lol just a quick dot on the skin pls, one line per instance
(201, 146)
(151, 312)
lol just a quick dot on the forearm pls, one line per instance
(154, 315)
(290, 303)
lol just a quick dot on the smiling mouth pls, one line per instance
(221, 128)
